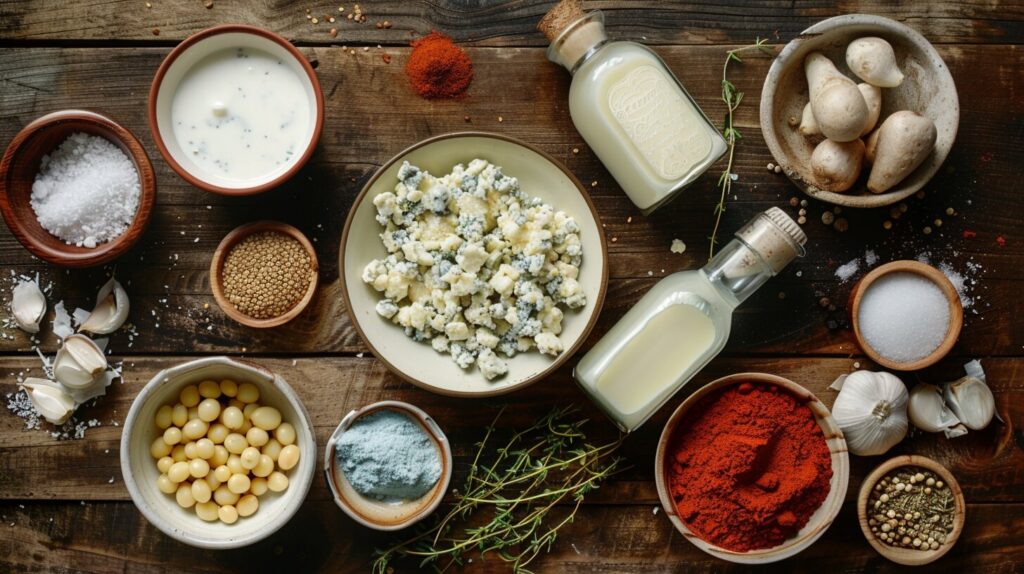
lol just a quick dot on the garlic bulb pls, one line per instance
(78, 363)
(928, 411)
(970, 399)
(871, 410)
(49, 400)
(28, 305)
(110, 312)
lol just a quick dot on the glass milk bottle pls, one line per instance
(683, 322)
(630, 108)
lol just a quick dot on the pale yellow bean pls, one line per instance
(285, 434)
(247, 505)
(172, 436)
(190, 450)
(236, 403)
(205, 448)
(184, 496)
(198, 468)
(179, 415)
(193, 412)
(220, 455)
(209, 410)
(195, 429)
(166, 485)
(163, 417)
(224, 496)
(209, 389)
(234, 464)
(229, 388)
(272, 449)
(235, 443)
(258, 486)
(257, 437)
(289, 457)
(201, 490)
(246, 425)
(178, 472)
(178, 453)
(277, 481)
(159, 448)
(189, 396)
(266, 418)
(222, 473)
(228, 514)
(207, 511)
(248, 393)
(249, 409)
(217, 433)
(164, 464)
(264, 467)
(212, 481)
(232, 417)
(250, 457)
(239, 483)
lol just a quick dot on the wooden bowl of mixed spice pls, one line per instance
(263, 274)
(752, 468)
(911, 510)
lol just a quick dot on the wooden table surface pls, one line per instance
(63, 504)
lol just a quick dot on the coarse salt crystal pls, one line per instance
(847, 270)
(903, 317)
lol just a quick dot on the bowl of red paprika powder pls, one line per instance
(752, 468)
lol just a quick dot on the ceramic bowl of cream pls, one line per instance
(236, 110)
(140, 472)
(392, 513)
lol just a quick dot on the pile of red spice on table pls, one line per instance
(437, 68)
(748, 467)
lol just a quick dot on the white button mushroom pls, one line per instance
(899, 146)
(873, 60)
(836, 165)
(836, 103)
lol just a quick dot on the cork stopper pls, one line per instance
(560, 17)
(775, 237)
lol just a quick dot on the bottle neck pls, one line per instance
(738, 269)
(579, 41)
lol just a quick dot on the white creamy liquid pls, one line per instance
(241, 114)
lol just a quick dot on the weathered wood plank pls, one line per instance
(494, 23)
(167, 271)
(989, 464)
(602, 539)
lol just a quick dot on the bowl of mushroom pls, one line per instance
(859, 111)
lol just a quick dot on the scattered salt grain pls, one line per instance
(86, 191)
(903, 317)
(678, 246)
(847, 270)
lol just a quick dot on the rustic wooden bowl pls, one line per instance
(819, 521)
(217, 267)
(18, 170)
(956, 312)
(381, 515)
(905, 556)
(927, 89)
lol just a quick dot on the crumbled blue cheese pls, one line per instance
(475, 265)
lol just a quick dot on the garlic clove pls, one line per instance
(49, 400)
(28, 305)
(928, 411)
(78, 362)
(110, 312)
(971, 401)
(62, 321)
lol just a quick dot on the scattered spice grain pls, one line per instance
(266, 274)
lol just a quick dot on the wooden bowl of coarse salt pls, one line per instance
(76, 188)
(263, 274)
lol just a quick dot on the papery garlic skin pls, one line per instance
(871, 410)
(79, 362)
(110, 312)
(971, 401)
(927, 410)
(49, 400)
(28, 305)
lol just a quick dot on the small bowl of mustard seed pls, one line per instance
(264, 273)
(911, 510)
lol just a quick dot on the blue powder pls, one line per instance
(386, 455)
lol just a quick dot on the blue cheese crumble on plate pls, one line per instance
(475, 266)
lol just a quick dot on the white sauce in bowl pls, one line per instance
(241, 113)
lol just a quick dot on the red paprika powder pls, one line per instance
(437, 68)
(748, 467)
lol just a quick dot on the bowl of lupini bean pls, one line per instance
(218, 453)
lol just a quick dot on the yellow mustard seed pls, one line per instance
(266, 274)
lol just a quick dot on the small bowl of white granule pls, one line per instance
(76, 188)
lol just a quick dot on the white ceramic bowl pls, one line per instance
(927, 89)
(190, 52)
(539, 175)
(162, 510)
(396, 515)
(818, 522)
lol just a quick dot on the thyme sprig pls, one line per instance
(507, 504)
(732, 98)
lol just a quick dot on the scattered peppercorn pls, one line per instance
(841, 224)
(266, 274)
(828, 218)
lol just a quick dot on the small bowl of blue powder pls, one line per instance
(388, 465)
